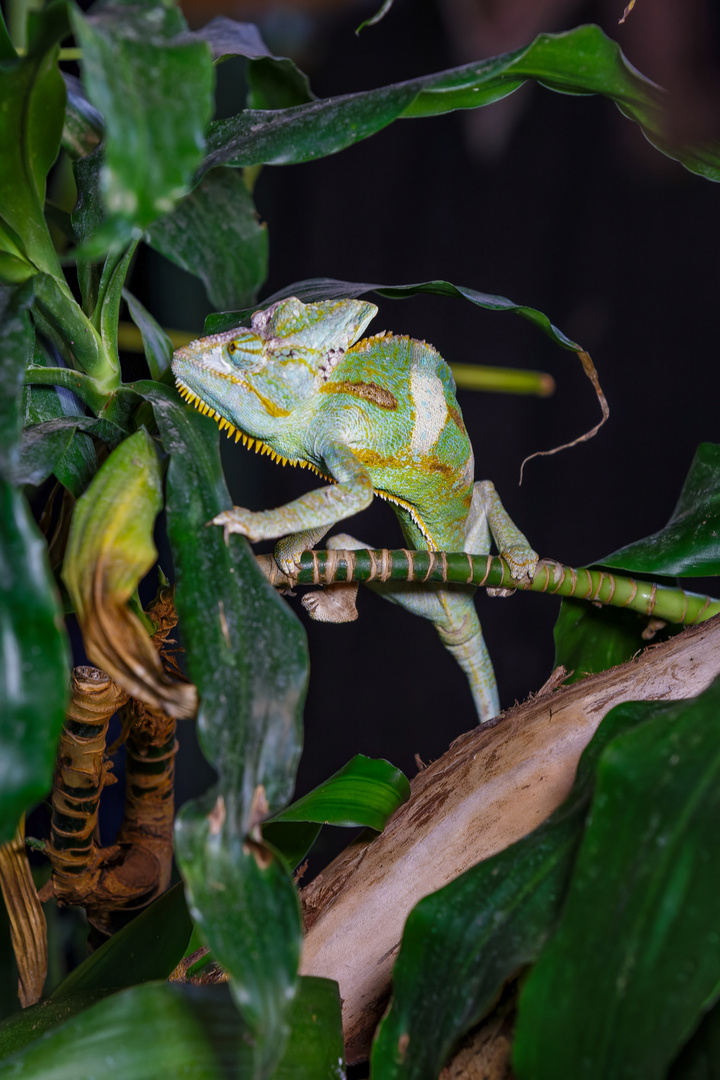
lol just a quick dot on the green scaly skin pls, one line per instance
(376, 416)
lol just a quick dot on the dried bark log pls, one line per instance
(493, 786)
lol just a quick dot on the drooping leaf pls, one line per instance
(689, 545)
(154, 134)
(636, 958)
(156, 344)
(331, 289)
(589, 639)
(247, 654)
(365, 792)
(31, 121)
(35, 665)
(137, 1034)
(147, 948)
(110, 548)
(215, 233)
(579, 61)
(461, 943)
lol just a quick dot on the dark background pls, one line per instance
(557, 202)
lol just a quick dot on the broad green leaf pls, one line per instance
(149, 947)
(35, 666)
(636, 959)
(461, 943)
(110, 548)
(215, 233)
(156, 344)
(589, 639)
(579, 61)
(315, 1050)
(18, 339)
(331, 289)
(246, 650)
(143, 1033)
(154, 94)
(31, 121)
(83, 128)
(247, 907)
(365, 792)
(247, 654)
(213, 1041)
(689, 545)
(275, 82)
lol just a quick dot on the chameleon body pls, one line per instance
(376, 416)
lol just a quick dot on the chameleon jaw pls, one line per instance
(231, 429)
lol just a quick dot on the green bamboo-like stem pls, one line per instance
(596, 586)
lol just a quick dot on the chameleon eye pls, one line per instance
(232, 347)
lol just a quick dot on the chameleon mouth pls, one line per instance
(231, 429)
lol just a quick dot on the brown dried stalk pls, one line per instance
(28, 929)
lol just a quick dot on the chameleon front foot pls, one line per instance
(238, 520)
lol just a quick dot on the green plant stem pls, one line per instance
(596, 586)
(502, 380)
(81, 384)
(67, 318)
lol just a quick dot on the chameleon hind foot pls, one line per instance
(335, 603)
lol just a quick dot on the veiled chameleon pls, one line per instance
(376, 416)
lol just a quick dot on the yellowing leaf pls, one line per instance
(110, 548)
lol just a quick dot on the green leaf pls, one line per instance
(315, 1050)
(247, 654)
(110, 548)
(35, 664)
(154, 94)
(156, 344)
(213, 1041)
(44, 405)
(138, 1034)
(331, 289)
(18, 339)
(31, 121)
(83, 128)
(636, 959)
(44, 447)
(246, 904)
(215, 233)
(365, 792)
(579, 61)
(689, 545)
(461, 943)
(148, 948)
(589, 639)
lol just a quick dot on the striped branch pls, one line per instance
(597, 586)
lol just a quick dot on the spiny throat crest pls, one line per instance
(231, 429)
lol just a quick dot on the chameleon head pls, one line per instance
(252, 377)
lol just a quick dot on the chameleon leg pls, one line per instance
(450, 607)
(489, 516)
(317, 510)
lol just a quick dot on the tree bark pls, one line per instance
(494, 785)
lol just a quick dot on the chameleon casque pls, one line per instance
(376, 416)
